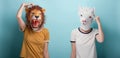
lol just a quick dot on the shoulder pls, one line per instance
(95, 30)
(45, 30)
(74, 30)
(27, 29)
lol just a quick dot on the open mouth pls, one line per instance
(35, 23)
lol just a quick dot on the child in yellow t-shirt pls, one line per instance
(36, 37)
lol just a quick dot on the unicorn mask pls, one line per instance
(86, 17)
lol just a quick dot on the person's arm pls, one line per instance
(19, 17)
(100, 35)
(73, 53)
(46, 53)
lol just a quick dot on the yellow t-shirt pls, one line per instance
(33, 43)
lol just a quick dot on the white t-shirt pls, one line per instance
(85, 43)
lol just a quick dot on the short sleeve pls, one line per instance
(26, 27)
(46, 34)
(73, 36)
(21, 29)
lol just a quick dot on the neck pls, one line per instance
(85, 31)
(38, 29)
(85, 27)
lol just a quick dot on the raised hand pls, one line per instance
(97, 19)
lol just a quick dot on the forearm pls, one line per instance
(46, 55)
(19, 13)
(73, 55)
(101, 34)
(20, 20)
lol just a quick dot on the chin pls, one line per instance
(34, 29)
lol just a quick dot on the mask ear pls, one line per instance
(93, 12)
(79, 10)
(43, 10)
(27, 9)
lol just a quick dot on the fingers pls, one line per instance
(96, 17)
(28, 4)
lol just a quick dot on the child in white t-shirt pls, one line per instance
(83, 38)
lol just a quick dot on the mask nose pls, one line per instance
(36, 16)
(84, 20)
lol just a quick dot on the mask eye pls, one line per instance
(39, 13)
(81, 15)
(33, 13)
(90, 17)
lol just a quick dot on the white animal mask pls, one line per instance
(86, 17)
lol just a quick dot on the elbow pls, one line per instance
(17, 16)
(46, 54)
(101, 40)
(46, 51)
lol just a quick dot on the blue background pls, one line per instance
(61, 18)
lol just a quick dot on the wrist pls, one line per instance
(99, 23)
(23, 4)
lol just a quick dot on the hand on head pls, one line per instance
(28, 4)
